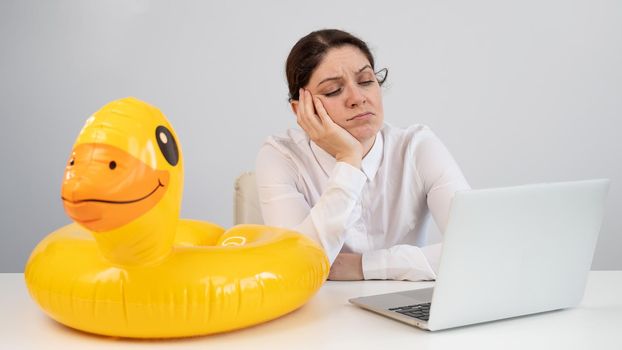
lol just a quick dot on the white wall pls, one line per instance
(520, 91)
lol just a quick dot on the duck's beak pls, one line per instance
(105, 187)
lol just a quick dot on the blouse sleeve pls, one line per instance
(282, 204)
(439, 176)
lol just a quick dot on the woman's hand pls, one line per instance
(347, 267)
(322, 130)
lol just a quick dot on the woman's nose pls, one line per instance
(355, 97)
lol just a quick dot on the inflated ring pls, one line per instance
(130, 267)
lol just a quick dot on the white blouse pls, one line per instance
(381, 211)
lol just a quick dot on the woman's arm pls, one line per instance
(282, 204)
(402, 262)
(439, 176)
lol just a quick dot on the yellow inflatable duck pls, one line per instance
(130, 267)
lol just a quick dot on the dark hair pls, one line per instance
(309, 51)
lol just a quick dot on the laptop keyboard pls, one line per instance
(420, 311)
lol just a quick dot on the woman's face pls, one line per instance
(347, 86)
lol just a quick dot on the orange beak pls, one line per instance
(105, 187)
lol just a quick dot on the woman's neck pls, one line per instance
(368, 145)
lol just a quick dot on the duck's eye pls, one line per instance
(167, 144)
(71, 162)
(112, 165)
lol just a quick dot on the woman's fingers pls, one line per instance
(308, 105)
(314, 119)
(301, 116)
(310, 120)
(321, 111)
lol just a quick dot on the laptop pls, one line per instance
(506, 252)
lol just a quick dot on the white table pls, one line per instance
(328, 321)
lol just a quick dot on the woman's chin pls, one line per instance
(364, 133)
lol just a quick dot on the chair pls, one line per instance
(246, 209)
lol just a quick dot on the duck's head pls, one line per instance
(123, 182)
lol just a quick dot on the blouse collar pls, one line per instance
(369, 165)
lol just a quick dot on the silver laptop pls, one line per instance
(506, 252)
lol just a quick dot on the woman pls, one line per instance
(358, 186)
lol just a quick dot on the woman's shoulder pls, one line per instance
(289, 140)
(290, 146)
(406, 135)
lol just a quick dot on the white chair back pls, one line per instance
(246, 209)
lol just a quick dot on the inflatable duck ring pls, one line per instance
(129, 267)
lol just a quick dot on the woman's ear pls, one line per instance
(294, 105)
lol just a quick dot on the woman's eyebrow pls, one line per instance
(337, 78)
(365, 67)
(328, 79)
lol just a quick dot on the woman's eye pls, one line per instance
(366, 82)
(333, 93)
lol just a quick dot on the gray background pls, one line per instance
(520, 92)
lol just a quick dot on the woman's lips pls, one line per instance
(361, 116)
